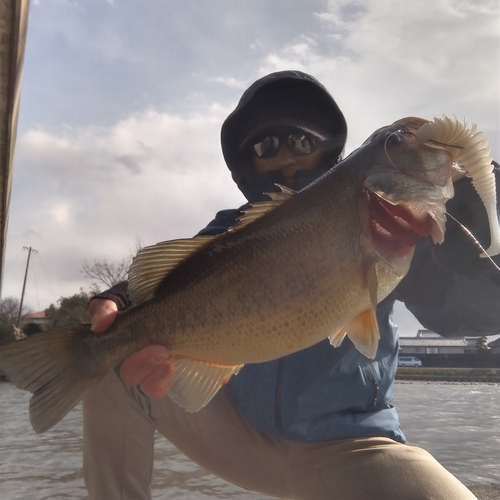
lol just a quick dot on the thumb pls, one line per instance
(102, 314)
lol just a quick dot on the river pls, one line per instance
(458, 423)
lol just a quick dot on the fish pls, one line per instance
(294, 270)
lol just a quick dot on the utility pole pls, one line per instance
(30, 251)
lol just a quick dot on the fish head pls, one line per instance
(407, 184)
(399, 148)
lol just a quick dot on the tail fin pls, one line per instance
(47, 365)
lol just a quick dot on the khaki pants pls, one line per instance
(119, 425)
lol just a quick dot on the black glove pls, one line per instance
(426, 282)
(459, 253)
(434, 267)
(118, 294)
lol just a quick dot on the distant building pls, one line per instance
(428, 334)
(38, 318)
(495, 346)
(472, 344)
(429, 342)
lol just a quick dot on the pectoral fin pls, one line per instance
(362, 330)
(364, 334)
(196, 382)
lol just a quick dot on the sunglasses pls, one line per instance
(298, 143)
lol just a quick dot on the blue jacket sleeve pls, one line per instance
(449, 288)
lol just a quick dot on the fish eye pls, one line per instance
(394, 138)
(404, 130)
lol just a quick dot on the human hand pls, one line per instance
(151, 367)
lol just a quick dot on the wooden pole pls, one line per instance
(24, 284)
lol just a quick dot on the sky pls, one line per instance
(123, 100)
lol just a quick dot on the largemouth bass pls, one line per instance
(295, 270)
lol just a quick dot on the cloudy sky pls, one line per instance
(123, 101)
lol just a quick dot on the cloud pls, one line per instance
(90, 192)
(390, 59)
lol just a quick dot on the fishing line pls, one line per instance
(387, 153)
(474, 239)
(36, 287)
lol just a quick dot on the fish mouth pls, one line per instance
(396, 228)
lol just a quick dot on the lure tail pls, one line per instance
(471, 152)
(48, 365)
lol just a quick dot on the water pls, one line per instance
(458, 423)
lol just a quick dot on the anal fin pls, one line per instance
(196, 382)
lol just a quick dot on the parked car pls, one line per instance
(409, 361)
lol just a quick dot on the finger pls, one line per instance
(101, 323)
(102, 313)
(158, 382)
(139, 365)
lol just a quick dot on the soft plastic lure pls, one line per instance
(472, 154)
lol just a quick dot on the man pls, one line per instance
(317, 424)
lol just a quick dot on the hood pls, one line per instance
(285, 97)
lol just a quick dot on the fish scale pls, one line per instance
(271, 314)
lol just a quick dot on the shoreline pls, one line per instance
(486, 491)
(453, 377)
(457, 375)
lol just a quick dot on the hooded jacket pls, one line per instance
(320, 393)
(325, 393)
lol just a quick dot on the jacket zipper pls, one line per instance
(375, 386)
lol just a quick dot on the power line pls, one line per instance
(47, 278)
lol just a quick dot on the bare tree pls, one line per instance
(106, 273)
(9, 309)
(109, 273)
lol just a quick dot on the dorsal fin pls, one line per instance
(153, 263)
(257, 210)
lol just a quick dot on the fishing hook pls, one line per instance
(387, 153)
